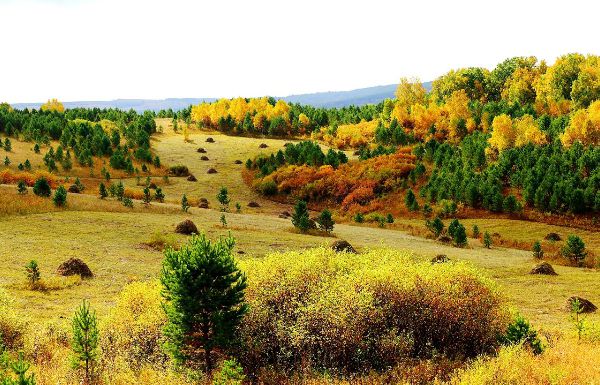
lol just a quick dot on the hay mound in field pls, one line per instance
(179, 170)
(253, 204)
(552, 237)
(74, 266)
(74, 189)
(241, 252)
(263, 145)
(211, 171)
(342, 246)
(543, 268)
(203, 200)
(152, 185)
(191, 178)
(237, 161)
(440, 258)
(210, 140)
(186, 227)
(201, 150)
(585, 305)
(204, 157)
(203, 203)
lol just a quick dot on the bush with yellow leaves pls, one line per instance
(349, 313)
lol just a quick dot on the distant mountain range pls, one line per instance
(358, 97)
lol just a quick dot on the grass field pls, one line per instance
(110, 237)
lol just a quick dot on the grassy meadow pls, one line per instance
(116, 242)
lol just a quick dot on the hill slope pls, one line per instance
(356, 97)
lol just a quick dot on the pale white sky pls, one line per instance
(108, 49)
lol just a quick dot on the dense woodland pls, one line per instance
(524, 134)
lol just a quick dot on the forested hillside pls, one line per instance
(521, 136)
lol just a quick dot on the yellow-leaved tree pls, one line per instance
(409, 92)
(509, 133)
(584, 126)
(53, 105)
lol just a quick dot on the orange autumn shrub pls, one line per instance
(353, 183)
(11, 177)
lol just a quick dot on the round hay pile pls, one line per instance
(210, 140)
(211, 171)
(585, 305)
(263, 145)
(440, 258)
(191, 178)
(74, 266)
(543, 268)
(237, 161)
(201, 150)
(253, 204)
(342, 246)
(186, 227)
(552, 237)
(152, 185)
(203, 203)
(74, 189)
(204, 157)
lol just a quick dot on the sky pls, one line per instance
(78, 50)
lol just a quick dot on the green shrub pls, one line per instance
(127, 202)
(538, 252)
(520, 332)
(574, 250)
(476, 231)
(21, 187)
(325, 221)
(60, 196)
(231, 373)
(42, 188)
(300, 217)
(33, 273)
(359, 218)
(487, 240)
(436, 226)
(203, 291)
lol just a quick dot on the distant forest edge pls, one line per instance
(357, 97)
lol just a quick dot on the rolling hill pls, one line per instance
(358, 97)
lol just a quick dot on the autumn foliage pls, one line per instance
(354, 185)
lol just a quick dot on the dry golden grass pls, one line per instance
(111, 237)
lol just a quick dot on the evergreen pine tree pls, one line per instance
(159, 196)
(300, 217)
(325, 221)
(85, 340)
(538, 252)
(21, 187)
(223, 198)
(487, 240)
(102, 190)
(184, 203)
(60, 196)
(204, 298)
